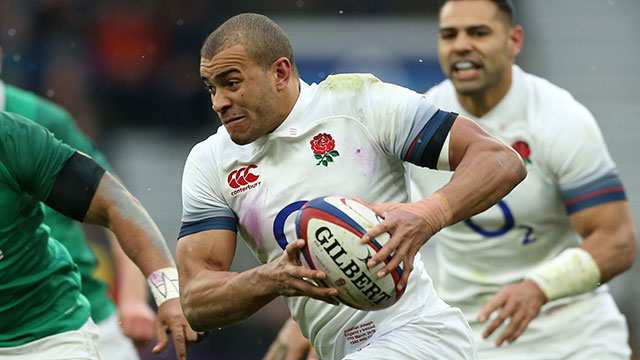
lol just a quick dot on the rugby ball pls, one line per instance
(332, 227)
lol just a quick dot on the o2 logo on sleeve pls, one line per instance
(509, 223)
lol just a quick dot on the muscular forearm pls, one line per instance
(607, 250)
(613, 251)
(609, 236)
(114, 207)
(488, 171)
(132, 286)
(214, 299)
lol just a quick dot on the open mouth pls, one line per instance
(465, 69)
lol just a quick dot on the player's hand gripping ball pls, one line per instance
(332, 227)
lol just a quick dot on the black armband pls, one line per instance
(75, 186)
(426, 147)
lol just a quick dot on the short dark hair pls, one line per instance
(504, 6)
(262, 38)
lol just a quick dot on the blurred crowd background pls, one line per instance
(128, 72)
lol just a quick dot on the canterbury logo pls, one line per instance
(242, 177)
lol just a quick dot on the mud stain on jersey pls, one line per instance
(347, 82)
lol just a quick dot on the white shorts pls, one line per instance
(112, 343)
(81, 344)
(442, 337)
(592, 328)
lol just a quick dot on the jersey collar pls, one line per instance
(289, 123)
(288, 126)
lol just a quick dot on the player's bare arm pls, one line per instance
(485, 170)
(609, 238)
(135, 316)
(212, 296)
(112, 206)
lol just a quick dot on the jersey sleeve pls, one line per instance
(408, 126)
(203, 207)
(32, 155)
(578, 157)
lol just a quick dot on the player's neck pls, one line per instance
(290, 97)
(481, 103)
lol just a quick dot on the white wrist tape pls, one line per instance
(164, 284)
(572, 272)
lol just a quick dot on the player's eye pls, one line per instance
(447, 35)
(211, 89)
(479, 33)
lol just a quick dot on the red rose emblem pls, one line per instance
(323, 147)
(522, 148)
(322, 143)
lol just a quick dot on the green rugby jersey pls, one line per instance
(66, 230)
(39, 282)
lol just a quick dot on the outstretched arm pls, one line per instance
(100, 199)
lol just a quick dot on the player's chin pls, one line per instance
(241, 138)
(468, 87)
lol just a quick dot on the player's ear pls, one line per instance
(282, 72)
(516, 37)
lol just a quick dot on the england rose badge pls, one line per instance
(523, 149)
(323, 147)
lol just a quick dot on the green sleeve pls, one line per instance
(55, 118)
(32, 155)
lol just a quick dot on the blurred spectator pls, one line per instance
(128, 42)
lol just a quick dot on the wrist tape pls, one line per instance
(164, 284)
(436, 211)
(572, 272)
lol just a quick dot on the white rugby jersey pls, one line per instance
(569, 169)
(345, 136)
